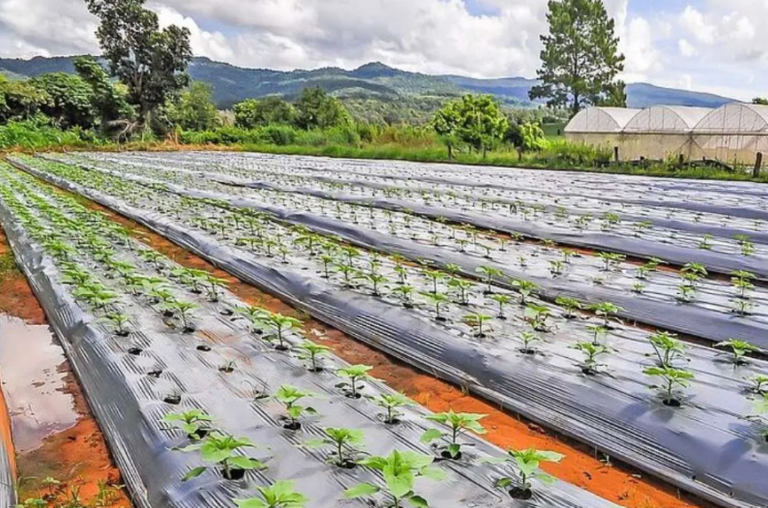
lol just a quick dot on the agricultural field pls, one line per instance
(627, 314)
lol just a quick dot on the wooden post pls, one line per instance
(616, 154)
(680, 160)
(758, 165)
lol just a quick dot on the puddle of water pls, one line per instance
(33, 386)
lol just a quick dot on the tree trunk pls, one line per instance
(450, 152)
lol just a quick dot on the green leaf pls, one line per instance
(503, 483)
(254, 502)
(418, 502)
(315, 443)
(361, 490)
(431, 435)
(546, 479)
(433, 473)
(454, 450)
(194, 473)
(399, 482)
(246, 463)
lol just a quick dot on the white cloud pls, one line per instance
(714, 43)
(686, 48)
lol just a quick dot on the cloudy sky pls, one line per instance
(710, 45)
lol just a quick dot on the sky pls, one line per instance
(716, 46)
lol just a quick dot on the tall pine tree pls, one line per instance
(580, 59)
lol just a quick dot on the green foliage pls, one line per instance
(20, 100)
(221, 450)
(739, 349)
(474, 120)
(195, 109)
(252, 113)
(457, 423)
(527, 462)
(341, 439)
(317, 110)
(151, 62)
(580, 59)
(68, 101)
(278, 495)
(400, 471)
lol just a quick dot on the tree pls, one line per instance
(107, 99)
(446, 124)
(19, 100)
(271, 110)
(149, 61)
(526, 137)
(195, 110)
(481, 123)
(580, 59)
(760, 101)
(316, 109)
(69, 100)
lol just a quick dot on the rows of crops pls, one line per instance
(443, 273)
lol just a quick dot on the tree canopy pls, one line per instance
(580, 59)
(68, 102)
(315, 109)
(195, 110)
(474, 120)
(151, 62)
(270, 110)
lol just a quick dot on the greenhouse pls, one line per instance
(599, 126)
(659, 132)
(734, 133)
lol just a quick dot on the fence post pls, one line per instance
(758, 165)
(616, 154)
(680, 161)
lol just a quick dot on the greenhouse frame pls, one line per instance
(735, 133)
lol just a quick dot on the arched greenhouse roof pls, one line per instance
(599, 120)
(666, 119)
(735, 118)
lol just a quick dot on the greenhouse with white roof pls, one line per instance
(735, 133)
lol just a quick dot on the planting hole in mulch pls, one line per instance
(672, 403)
(518, 493)
(155, 373)
(445, 454)
(189, 329)
(123, 333)
(204, 348)
(135, 351)
(173, 399)
(233, 474)
(292, 425)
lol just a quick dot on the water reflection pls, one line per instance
(34, 388)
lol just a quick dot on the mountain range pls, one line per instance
(373, 81)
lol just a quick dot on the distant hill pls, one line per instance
(371, 82)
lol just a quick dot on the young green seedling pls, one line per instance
(759, 383)
(502, 300)
(221, 450)
(214, 283)
(354, 373)
(120, 322)
(760, 415)
(259, 318)
(739, 350)
(490, 273)
(590, 365)
(462, 287)
(527, 463)
(570, 305)
(405, 293)
(667, 348)
(607, 311)
(457, 423)
(529, 339)
(671, 378)
(194, 423)
(341, 440)
(391, 403)
(184, 309)
(537, 315)
(477, 321)
(437, 300)
(280, 494)
(526, 289)
(290, 396)
(435, 276)
(313, 352)
(400, 471)
(282, 325)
